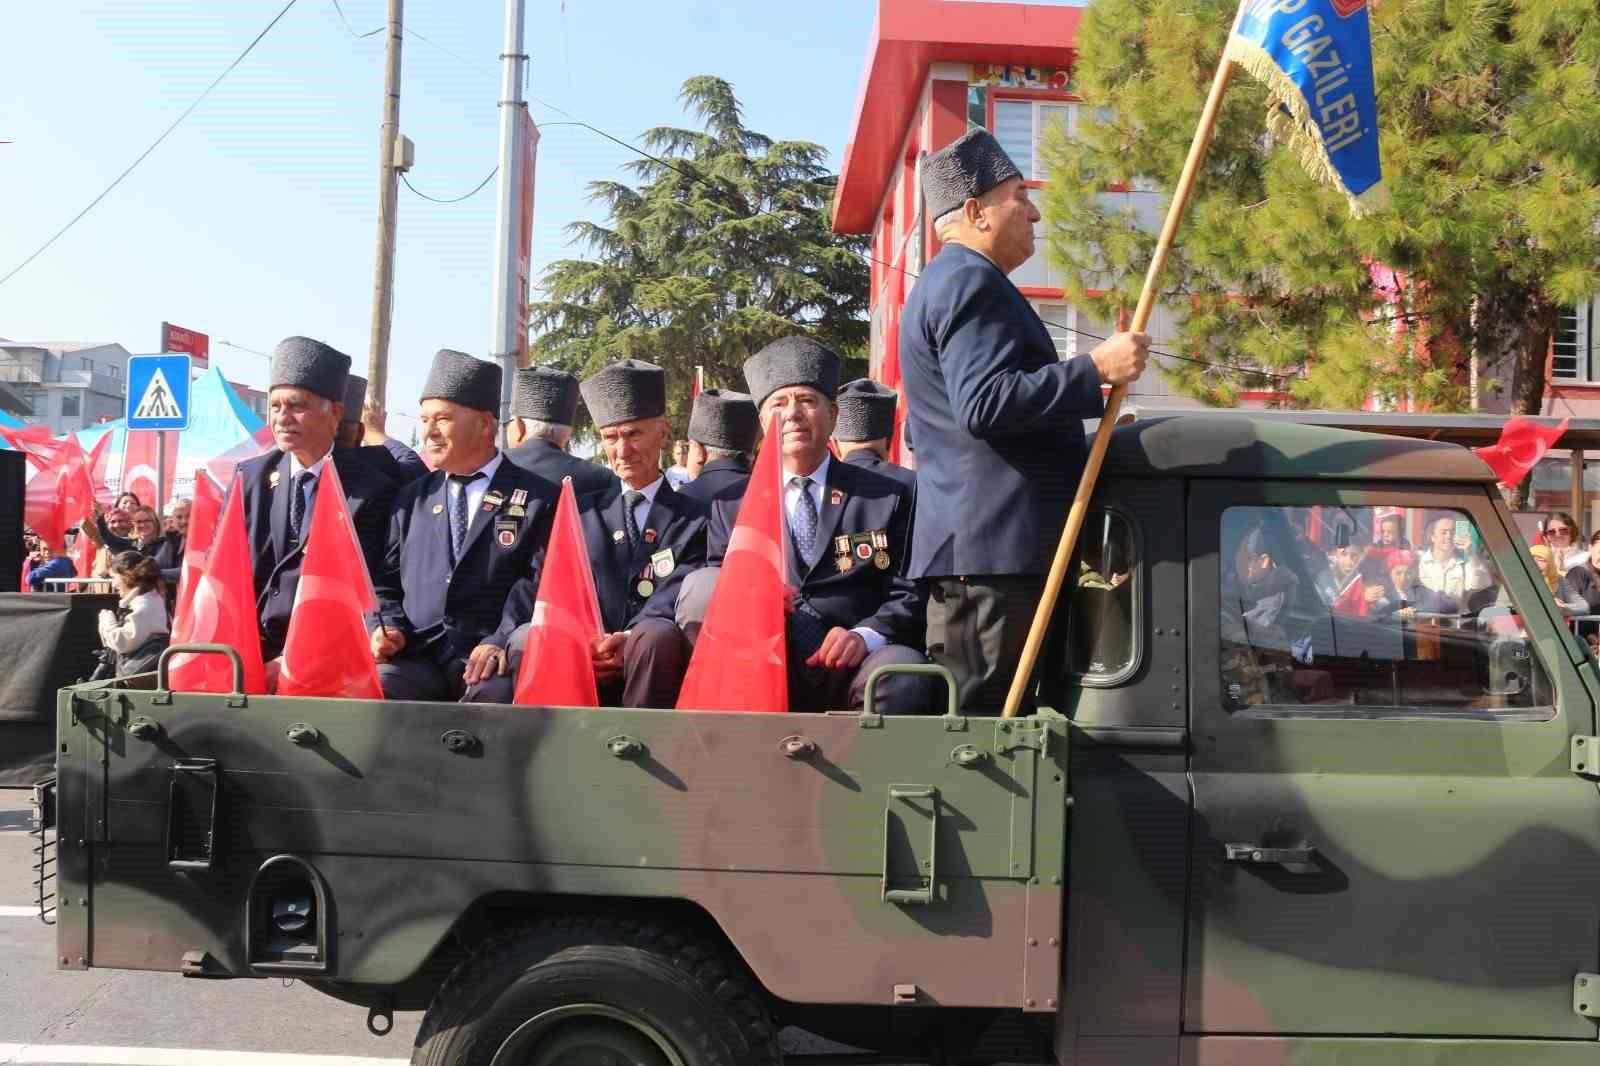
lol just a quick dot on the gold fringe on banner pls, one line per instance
(1297, 127)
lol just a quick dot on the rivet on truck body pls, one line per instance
(1027, 1003)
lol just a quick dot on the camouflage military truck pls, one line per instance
(1273, 808)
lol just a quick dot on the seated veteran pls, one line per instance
(385, 455)
(305, 403)
(865, 428)
(723, 430)
(544, 408)
(642, 537)
(461, 540)
(847, 534)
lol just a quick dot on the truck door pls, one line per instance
(1388, 836)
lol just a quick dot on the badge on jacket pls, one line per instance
(273, 479)
(662, 563)
(505, 531)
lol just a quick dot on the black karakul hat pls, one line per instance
(302, 363)
(625, 391)
(792, 361)
(355, 395)
(725, 419)
(545, 394)
(463, 379)
(969, 166)
(866, 411)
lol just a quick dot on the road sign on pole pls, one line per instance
(158, 392)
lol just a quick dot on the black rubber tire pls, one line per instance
(668, 978)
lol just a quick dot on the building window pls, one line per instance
(1020, 125)
(977, 107)
(70, 404)
(1570, 345)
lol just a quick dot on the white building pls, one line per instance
(68, 384)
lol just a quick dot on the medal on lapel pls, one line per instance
(491, 500)
(438, 508)
(662, 563)
(273, 479)
(649, 536)
(519, 497)
(880, 541)
(836, 498)
(617, 535)
(645, 588)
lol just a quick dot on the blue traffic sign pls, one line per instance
(158, 392)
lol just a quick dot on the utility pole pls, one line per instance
(510, 281)
(388, 197)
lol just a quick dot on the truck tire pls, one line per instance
(596, 991)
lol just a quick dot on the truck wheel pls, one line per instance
(586, 991)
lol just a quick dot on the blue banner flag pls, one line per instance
(1315, 57)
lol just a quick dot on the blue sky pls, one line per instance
(257, 218)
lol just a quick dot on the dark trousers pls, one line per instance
(418, 677)
(654, 658)
(977, 626)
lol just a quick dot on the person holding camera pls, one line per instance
(138, 629)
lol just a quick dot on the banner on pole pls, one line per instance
(1315, 57)
(530, 153)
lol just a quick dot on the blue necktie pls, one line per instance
(805, 522)
(458, 512)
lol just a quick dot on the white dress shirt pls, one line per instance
(641, 510)
(791, 502)
(475, 489)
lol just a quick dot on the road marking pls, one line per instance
(18, 912)
(81, 1055)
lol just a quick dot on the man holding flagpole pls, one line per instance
(997, 416)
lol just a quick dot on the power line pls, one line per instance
(454, 200)
(457, 56)
(351, 28)
(153, 145)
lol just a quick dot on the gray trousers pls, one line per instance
(976, 629)
(815, 689)
(654, 657)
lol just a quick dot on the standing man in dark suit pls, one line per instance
(642, 539)
(460, 541)
(305, 403)
(544, 408)
(998, 417)
(866, 425)
(386, 455)
(847, 534)
(723, 428)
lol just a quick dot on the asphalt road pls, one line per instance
(130, 1018)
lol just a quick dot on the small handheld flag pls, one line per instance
(1315, 57)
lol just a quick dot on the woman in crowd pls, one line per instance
(138, 630)
(1561, 533)
(1569, 602)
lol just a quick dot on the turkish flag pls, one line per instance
(196, 542)
(557, 665)
(222, 466)
(98, 457)
(221, 609)
(1352, 602)
(1522, 444)
(327, 651)
(53, 501)
(139, 461)
(740, 662)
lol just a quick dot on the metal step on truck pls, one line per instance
(1312, 779)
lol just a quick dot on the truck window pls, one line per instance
(1102, 632)
(1370, 612)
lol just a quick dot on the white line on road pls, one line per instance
(18, 912)
(81, 1055)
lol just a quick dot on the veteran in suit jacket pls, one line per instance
(305, 402)
(865, 428)
(461, 542)
(998, 419)
(847, 534)
(642, 539)
(378, 450)
(544, 408)
(723, 429)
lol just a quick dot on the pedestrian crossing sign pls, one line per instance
(158, 392)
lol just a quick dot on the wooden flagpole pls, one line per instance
(1108, 421)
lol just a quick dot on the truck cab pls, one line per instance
(1282, 800)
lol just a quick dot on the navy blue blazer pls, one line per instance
(868, 461)
(854, 501)
(719, 478)
(277, 560)
(393, 460)
(673, 524)
(445, 611)
(998, 421)
(553, 464)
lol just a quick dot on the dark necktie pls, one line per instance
(458, 512)
(297, 505)
(805, 522)
(631, 499)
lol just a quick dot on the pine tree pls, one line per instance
(720, 249)
(1490, 131)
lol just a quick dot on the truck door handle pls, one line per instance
(1250, 853)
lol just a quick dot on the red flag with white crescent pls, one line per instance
(1523, 442)
(557, 661)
